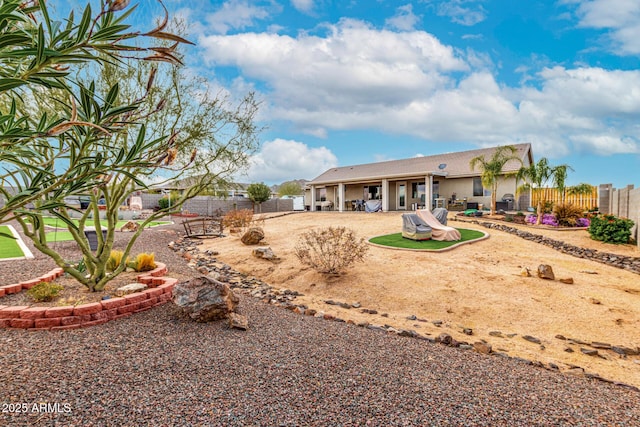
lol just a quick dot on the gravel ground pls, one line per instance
(157, 368)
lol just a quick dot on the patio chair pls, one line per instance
(414, 228)
(441, 215)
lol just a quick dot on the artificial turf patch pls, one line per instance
(9, 247)
(397, 241)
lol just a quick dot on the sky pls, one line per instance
(359, 81)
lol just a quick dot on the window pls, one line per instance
(372, 192)
(321, 194)
(417, 190)
(478, 191)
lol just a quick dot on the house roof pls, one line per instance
(456, 165)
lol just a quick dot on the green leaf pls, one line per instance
(40, 45)
(8, 84)
(13, 40)
(83, 27)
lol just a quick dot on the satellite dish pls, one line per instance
(442, 166)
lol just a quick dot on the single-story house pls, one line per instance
(444, 180)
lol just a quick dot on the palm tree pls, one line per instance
(537, 175)
(492, 169)
(560, 178)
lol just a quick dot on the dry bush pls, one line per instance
(44, 291)
(143, 262)
(238, 221)
(115, 259)
(330, 250)
(567, 214)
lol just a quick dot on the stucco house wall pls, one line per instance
(438, 176)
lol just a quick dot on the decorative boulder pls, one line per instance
(264, 253)
(131, 226)
(130, 289)
(205, 299)
(546, 272)
(253, 236)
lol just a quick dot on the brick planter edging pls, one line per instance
(80, 316)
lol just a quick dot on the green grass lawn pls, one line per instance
(397, 241)
(9, 247)
(59, 236)
(55, 222)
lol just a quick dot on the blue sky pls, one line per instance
(358, 81)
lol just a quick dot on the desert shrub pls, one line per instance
(567, 214)
(143, 262)
(169, 200)
(115, 259)
(330, 250)
(508, 218)
(238, 221)
(610, 229)
(44, 291)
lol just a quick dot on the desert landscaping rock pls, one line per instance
(567, 280)
(531, 339)
(546, 272)
(205, 299)
(238, 321)
(252, 236)
(130, 288)
(264, 253)
(482, 347)
(130, 226)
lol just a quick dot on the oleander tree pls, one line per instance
(91, 135)
(491, 169)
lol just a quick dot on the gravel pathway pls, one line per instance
(157, 368)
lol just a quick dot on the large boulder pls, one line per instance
(253, 236)
(130, 226)
(205, 299)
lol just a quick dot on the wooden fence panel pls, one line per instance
(585, 201)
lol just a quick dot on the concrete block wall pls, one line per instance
(208, 205)
(624, 203)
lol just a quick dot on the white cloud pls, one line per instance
(404, 19)
(463, 12)
(621, 17)
(357, 77)
(607, 143)
(281, 160)
(304, 6)
(353, 69)
(235, 14)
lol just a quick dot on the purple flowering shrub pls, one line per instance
(550, 219)
(583, 222)
(547, 219)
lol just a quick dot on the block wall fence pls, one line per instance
(622, 202)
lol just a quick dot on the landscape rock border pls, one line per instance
(615, 260)
(84, 315)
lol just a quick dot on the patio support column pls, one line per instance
(340, 197)
(385, 195)
(312, 208)
(428, 190)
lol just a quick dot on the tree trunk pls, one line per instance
(539, 218)
(493, 199)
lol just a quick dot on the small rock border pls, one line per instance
(84, 315)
